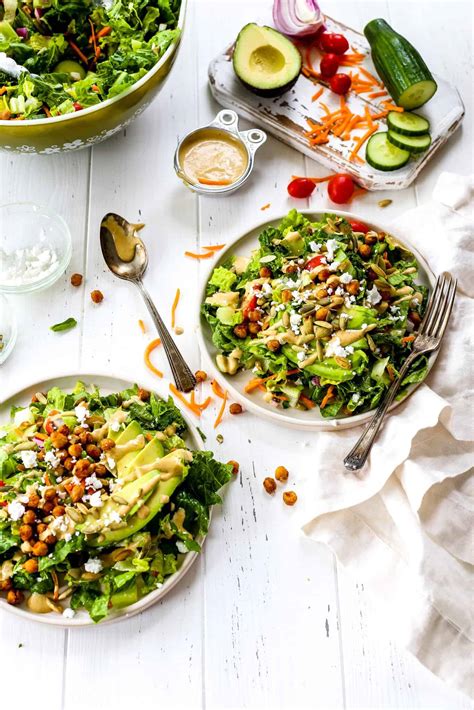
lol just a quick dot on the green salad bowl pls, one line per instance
(74, 131)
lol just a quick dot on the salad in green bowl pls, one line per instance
(60, 56)
(100, 499)
(321, 314)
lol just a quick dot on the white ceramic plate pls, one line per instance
(242, 246)
(107, 384)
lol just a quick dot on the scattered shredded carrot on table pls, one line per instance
(148, 350)
(316, 96)
(206, 181)
(142, 326)
(174, 306)
(204, 405)
(377, 94)
(327, 397)
(193, 407)
(206, 255)
(215, 247)
(217, 389)
(221, 411)
(370, 76)
(265, 207)
(391, 107)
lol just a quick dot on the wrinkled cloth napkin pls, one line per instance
(404, 525)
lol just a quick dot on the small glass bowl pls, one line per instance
(24, 225)
(8, 329)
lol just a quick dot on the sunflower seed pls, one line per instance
(319, 351)
(323, 324)
(119, 499)
(82, 508)
(371, 343)
(343, 362)
(308, 308)
(384, 203)
(74, 514)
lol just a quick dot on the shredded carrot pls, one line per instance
(77, 51)
(142, 326)
(204, 405)
(174, 306)
(377, 94)
(217, 389)
(194, 409)
(207, 255)
(92, 37)
(368, 117)
(215, 247)
(360, 142)
(391, 107)
(205, 181)
(104, 31)
(391, 372)
(382, 114)
(408, 339)
(95, 88)
(221, 411)
(308, 403)
(3, 90)
(47, 111)
(265, 207)
(370, 76)
(316, 96)
(327, 397)
(255, 383)
(148, 350)
(342, 103)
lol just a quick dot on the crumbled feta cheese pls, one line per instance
(373, 296)
(51, 458)
(93, 565)
(267, 289)
(295, 321)
(110, 462)
(112, 517)
(15, 510)
(69, 613)
(29, 458)
(114, 425)
(335, 349)
(95, 500)
(330, 291)
(331, 246)
(314, 247)
(93, 482)
(345, 278)
(339, 291)
(67, 536)
(356, 397)
(301, 355)
(334, 266)
(24, 415)
(81, 413)
(181, 547)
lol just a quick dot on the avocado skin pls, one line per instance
(271, 92)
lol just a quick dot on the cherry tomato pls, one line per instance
(335, 43)
(358, 226)
(340, 188)
(77, 106)
(329, 65)
(314, 262)
(250, 306)
(340, 83)
(301, 187)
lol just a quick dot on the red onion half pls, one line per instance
(297, 18)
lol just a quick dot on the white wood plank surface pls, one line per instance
(265, 619)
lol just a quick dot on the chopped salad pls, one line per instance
(61, 56)
(321, 314)
(100, 499)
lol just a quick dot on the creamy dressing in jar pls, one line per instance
(213, 157)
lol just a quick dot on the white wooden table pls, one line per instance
(266, 619)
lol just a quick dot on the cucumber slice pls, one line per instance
(415, 144)
(417, 94)
(408, 124)
(383, 155)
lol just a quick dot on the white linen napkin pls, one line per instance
(404, 525)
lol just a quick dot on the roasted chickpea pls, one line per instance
(77, 492)
(144, 395)
(33, 500)
(68, 464)
(62, 455)
(281, 473)
(25, 532)
(29, 517)
(100, 469)
(353, 287)
(41, 527)
(235, 408)
(48, 506)
(85, 437)
(414, 317)
(235, 467)
(107, 444)
(64, 429)
(93, 451)
(290, 497)
(50, 539)
(240, 331)
(5, 585)
(265, 272)
(254, 316)
(82, 468)
(15, 597)
(40, 549)
(324, 274)
(321, 314)
(31, 566)
(269, 485)
(365, 251)
(286, 295)
(291, 269)
(58, 510)
(273, 345)
(254, 328)
(370, 238)
(97, 296)
(59, 441)
(200, 376)
(76, 280)
(75, 450)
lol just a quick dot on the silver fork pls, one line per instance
(428, 339)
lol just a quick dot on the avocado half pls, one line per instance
(265, 61)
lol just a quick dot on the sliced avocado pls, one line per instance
(152, 452)
(130, 432)
(294, 242)
(265, 61)
(160, 495)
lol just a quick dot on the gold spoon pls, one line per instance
(126, 256)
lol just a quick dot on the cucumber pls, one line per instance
(400, 66)
(415, 144)
(383, 155)
(408, 124)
